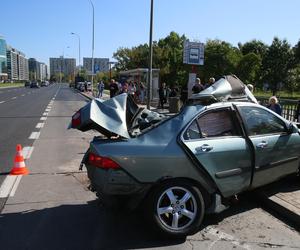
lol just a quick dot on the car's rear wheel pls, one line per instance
(176, 208)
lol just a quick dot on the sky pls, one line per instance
(42, 28)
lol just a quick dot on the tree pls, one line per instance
(168, 57)
(277, 62)
(249, 67)
(220, 58)
(255, 46)
(293, 79)
(296, 50)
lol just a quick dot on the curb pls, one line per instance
(283, 208)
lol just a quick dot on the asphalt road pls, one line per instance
(53, 208)
(20, 111)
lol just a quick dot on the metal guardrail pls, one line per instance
(288, 107)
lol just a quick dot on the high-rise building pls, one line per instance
(100, 65)
(23, 67)
(63, 68)
(43, 72)
(37, 70)
(17, 64)
(3, 59)
(34, 69)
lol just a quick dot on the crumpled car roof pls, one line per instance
(227, 88)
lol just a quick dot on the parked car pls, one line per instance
(27, 84)
(34, 85)
(179, 168)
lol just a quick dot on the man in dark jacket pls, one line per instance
(198, 87)
(113, 88)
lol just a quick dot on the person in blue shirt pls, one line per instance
(274, 105)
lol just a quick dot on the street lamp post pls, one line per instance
(150, 57)
(92, 80)
(72, 33)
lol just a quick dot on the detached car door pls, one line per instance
(214, 139)
(276, 149)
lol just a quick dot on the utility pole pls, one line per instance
(93, 36)
(150, 57)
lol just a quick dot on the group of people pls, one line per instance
(198, 87)
(136, 90)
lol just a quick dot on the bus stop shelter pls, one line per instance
(140, 75)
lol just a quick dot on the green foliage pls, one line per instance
(293, 79)
(254, 46)
(253, 62)
(249, 67)
(220, 58)
(277, 62)
(296, 50)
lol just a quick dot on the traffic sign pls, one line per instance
(193, 53)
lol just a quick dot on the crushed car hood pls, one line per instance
(228, 88)
(111, 117)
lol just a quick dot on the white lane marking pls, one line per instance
(34, 135)
(7, 185)
(45, 114)
(43, 118)
(14, 97)
(40, 125)
(23, 95)
(2, 102)
(27, 151)
(15, 186)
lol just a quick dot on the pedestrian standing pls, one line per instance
(198, 87)
(113, 88)
(100, 88)
(184, 94)
(162, 92)
(211, 81)
(274, 105)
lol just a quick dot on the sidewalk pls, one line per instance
(283, 197)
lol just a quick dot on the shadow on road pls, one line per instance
(88, 226)
(76, 227)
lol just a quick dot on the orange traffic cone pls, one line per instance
(19, 164)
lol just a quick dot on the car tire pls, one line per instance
(176, 209)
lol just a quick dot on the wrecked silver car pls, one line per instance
(179, 168)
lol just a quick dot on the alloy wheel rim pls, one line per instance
(176, 208)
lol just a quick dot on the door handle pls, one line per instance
(262, 144)
(204, 148)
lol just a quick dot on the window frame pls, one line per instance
(234, 122)
(245, 127)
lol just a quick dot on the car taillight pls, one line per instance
(102, 162)
(76, 119)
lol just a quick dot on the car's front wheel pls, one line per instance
(176, 208)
